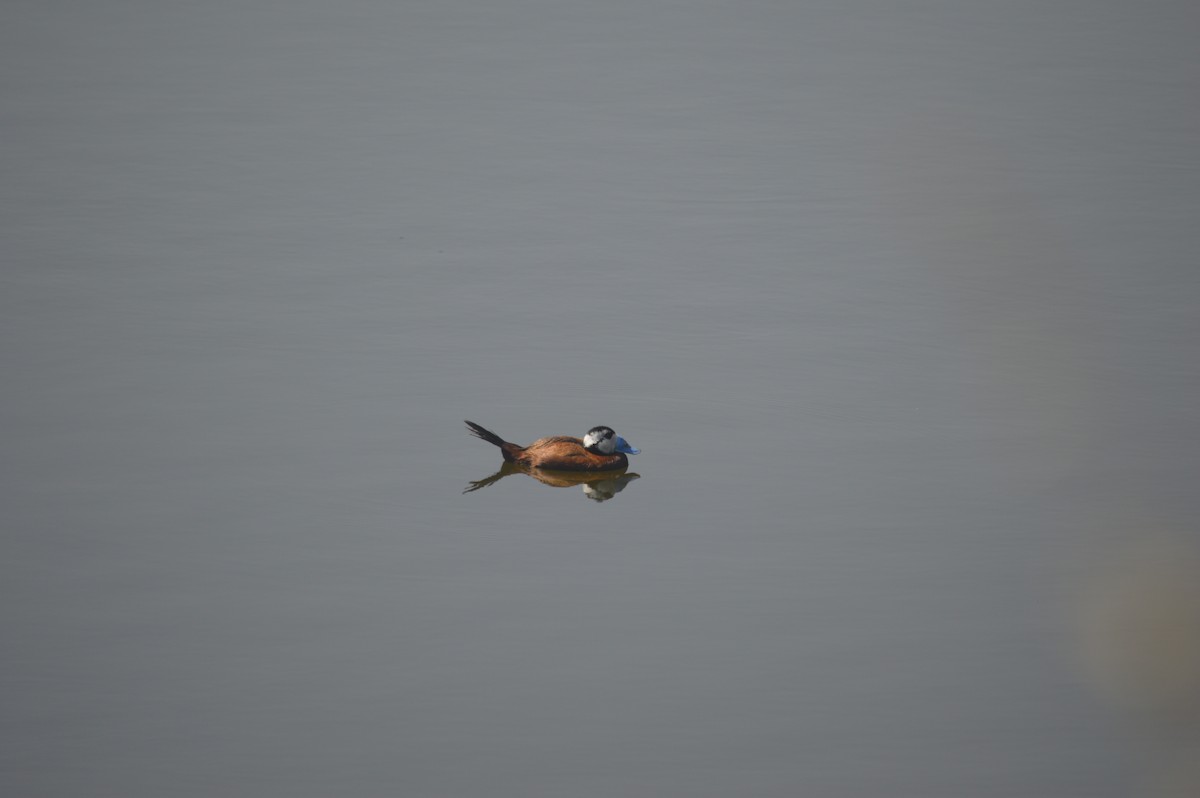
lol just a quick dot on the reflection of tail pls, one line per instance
(483, 483)
(505, 470)
(509, 450)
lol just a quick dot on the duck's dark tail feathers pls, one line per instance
(486, 434)
(509, 450)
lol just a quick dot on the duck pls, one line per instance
(601, 449)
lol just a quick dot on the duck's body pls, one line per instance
(600, 450)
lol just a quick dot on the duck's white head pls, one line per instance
(604, 441)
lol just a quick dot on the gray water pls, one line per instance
(899, 300)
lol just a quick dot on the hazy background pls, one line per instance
(901, 302)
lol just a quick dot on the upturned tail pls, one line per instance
(509, 450)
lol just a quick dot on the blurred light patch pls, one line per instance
(1139, 634)
(1140, 629)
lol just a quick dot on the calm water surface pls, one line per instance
(898, 300)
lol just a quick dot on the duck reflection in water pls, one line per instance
(597, 461)
(599, 487)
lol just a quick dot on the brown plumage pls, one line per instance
(557, 453)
